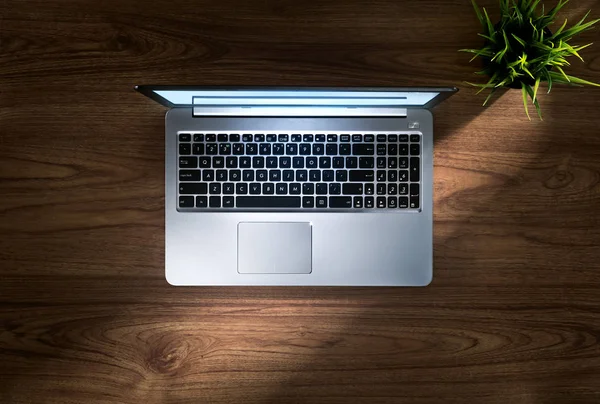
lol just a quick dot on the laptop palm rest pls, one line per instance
(274, 248)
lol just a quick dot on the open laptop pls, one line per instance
(298, 186)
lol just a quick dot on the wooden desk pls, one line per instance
(513, 315)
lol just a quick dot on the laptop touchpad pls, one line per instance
(274, 248)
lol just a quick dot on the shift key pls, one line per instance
(362, 176)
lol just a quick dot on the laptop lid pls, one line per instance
(297, 101)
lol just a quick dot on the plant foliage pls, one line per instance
(520, 51)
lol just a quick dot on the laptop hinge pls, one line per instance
(308, 111)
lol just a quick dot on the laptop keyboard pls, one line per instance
(307, 172)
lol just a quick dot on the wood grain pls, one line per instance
(513, 314)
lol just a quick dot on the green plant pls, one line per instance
(520, 51)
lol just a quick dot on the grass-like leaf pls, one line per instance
(524, 91)
(478, 13)
(536, 103)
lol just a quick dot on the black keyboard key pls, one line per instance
(245, 162)
(198, 137)
(271, 138)
(381, 202)
(308, 188)
(288, 175)
(241, 188)
(367, 149)
(403, 149)
(285, 162)
(369, 138)
(212, 149)
(201, 202)
(321, 202)
(267, 201)
(258, 162)
(332, 138)
(331, 149)
(415, 138)
(218, 162)
(414, 202)
(275, 175)
(319, 138)
(214, 201)
(335, 189)
(304, 149)
(381, 149)
(228, 188)
(403, 162)
(255, 188)
(185, 137)
(251, 149)
(208, 175)
(392, 175)
(369, 202)
(211, 137)
(221, 175)
(228, 201)
(222, 137)
(291, 149)
(311, 162)
(295, 138)
(281, 188)
(186, 201)
(198, 149)
(341, 175)
(392, 149)
(318, 149)
(271, 162)
(392, 138)
(414, 189)
(278, 149)
(264, 149)
(415, 149)
(188, 162)
(351, 162)
(392, 162)
(262, 175)
(185, 148)
(308, 202)
(295, 188)
(402, 189)
(268, 188)
(352, 189)
(247, 137)
(340, 202)
(402, 176)
(214, 188)
(301, 175)
(298, 162)
(338, 162)
(234, 137)
(238, 149)
(362, 175)
(358, 202)
(381, 175)
(345, 149)
(324, 162)
(381, 162)
(189, 175)
(344, 138)
(366, 162)
(356, 138)
(392, 202)
(231, 162)
(402, 138)
(381, 189)
(314, 175)
(369, 188)
(321, 189)
(328, 175)
(307, 138)
(381, 138)
(392, 189)
(403, 202)
(259, 138)
(248, 175)
(282, 138)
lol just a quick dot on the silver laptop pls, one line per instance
(298, 186)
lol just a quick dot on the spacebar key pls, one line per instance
(267, 201)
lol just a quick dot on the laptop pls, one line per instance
(298, 186)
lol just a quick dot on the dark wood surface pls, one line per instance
(513, 314)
